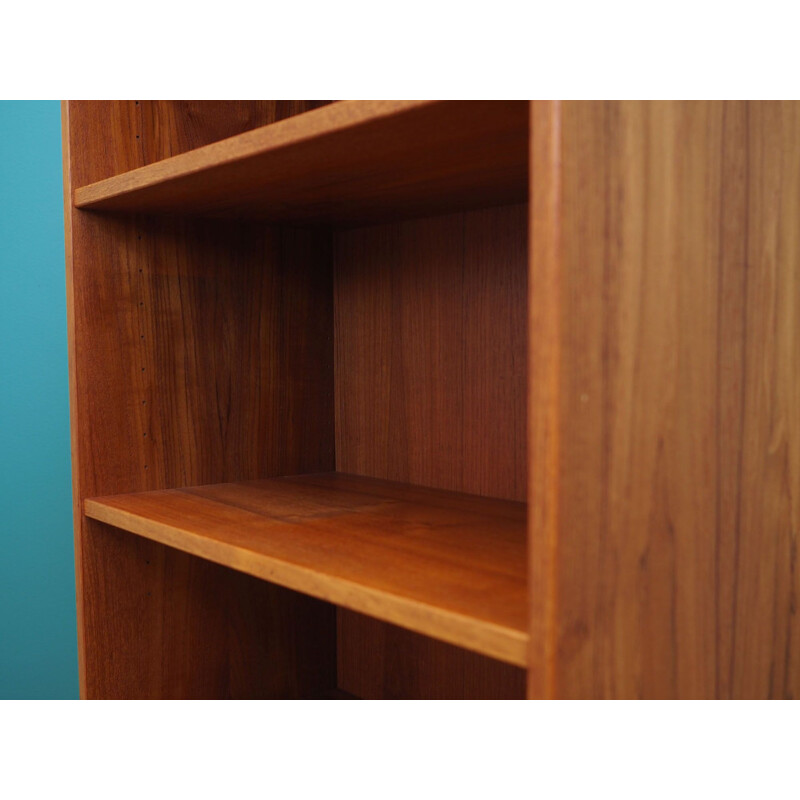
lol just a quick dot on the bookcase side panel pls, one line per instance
(200, 352)
(664, 517)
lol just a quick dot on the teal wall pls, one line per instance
(38, 650)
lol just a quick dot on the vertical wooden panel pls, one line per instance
(211, 346)
(430, 332)
(766, 640)
(733, 274)
(378, 661)
(544, 354)
(675, 480)
(165, 625)
(199, 352)
(430, 351)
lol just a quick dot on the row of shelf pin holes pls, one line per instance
(141, 338)
(141, 305)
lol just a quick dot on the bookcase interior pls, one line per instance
(344, 375)
(235, 349)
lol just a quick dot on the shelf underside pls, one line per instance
(349, 162)
(447, 565)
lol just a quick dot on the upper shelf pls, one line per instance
(348, 162)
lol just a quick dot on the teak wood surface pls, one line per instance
(351, 161)
(430, 380)
(664, 401)
(440, 563)
(662, 466)
(380, 661)
(185, 368)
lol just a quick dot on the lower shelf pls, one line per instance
(448, 565)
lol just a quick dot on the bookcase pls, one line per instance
(453, 399)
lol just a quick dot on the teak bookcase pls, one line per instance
(435, 399)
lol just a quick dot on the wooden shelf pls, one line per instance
(448, 565)
(347, 162)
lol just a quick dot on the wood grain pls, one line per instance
(379, 661)
(185, 368)
(447, 565)
(664, 390)
(664, 450)
(172, 626)
(430, 320)
(349, 161)
(193, 345)
(430, 389)
(764, 655)
(543, 396)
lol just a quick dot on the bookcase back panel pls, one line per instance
(430, 381)
(379, 661)
(431, 359)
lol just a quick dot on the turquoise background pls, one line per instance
(38, 649)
